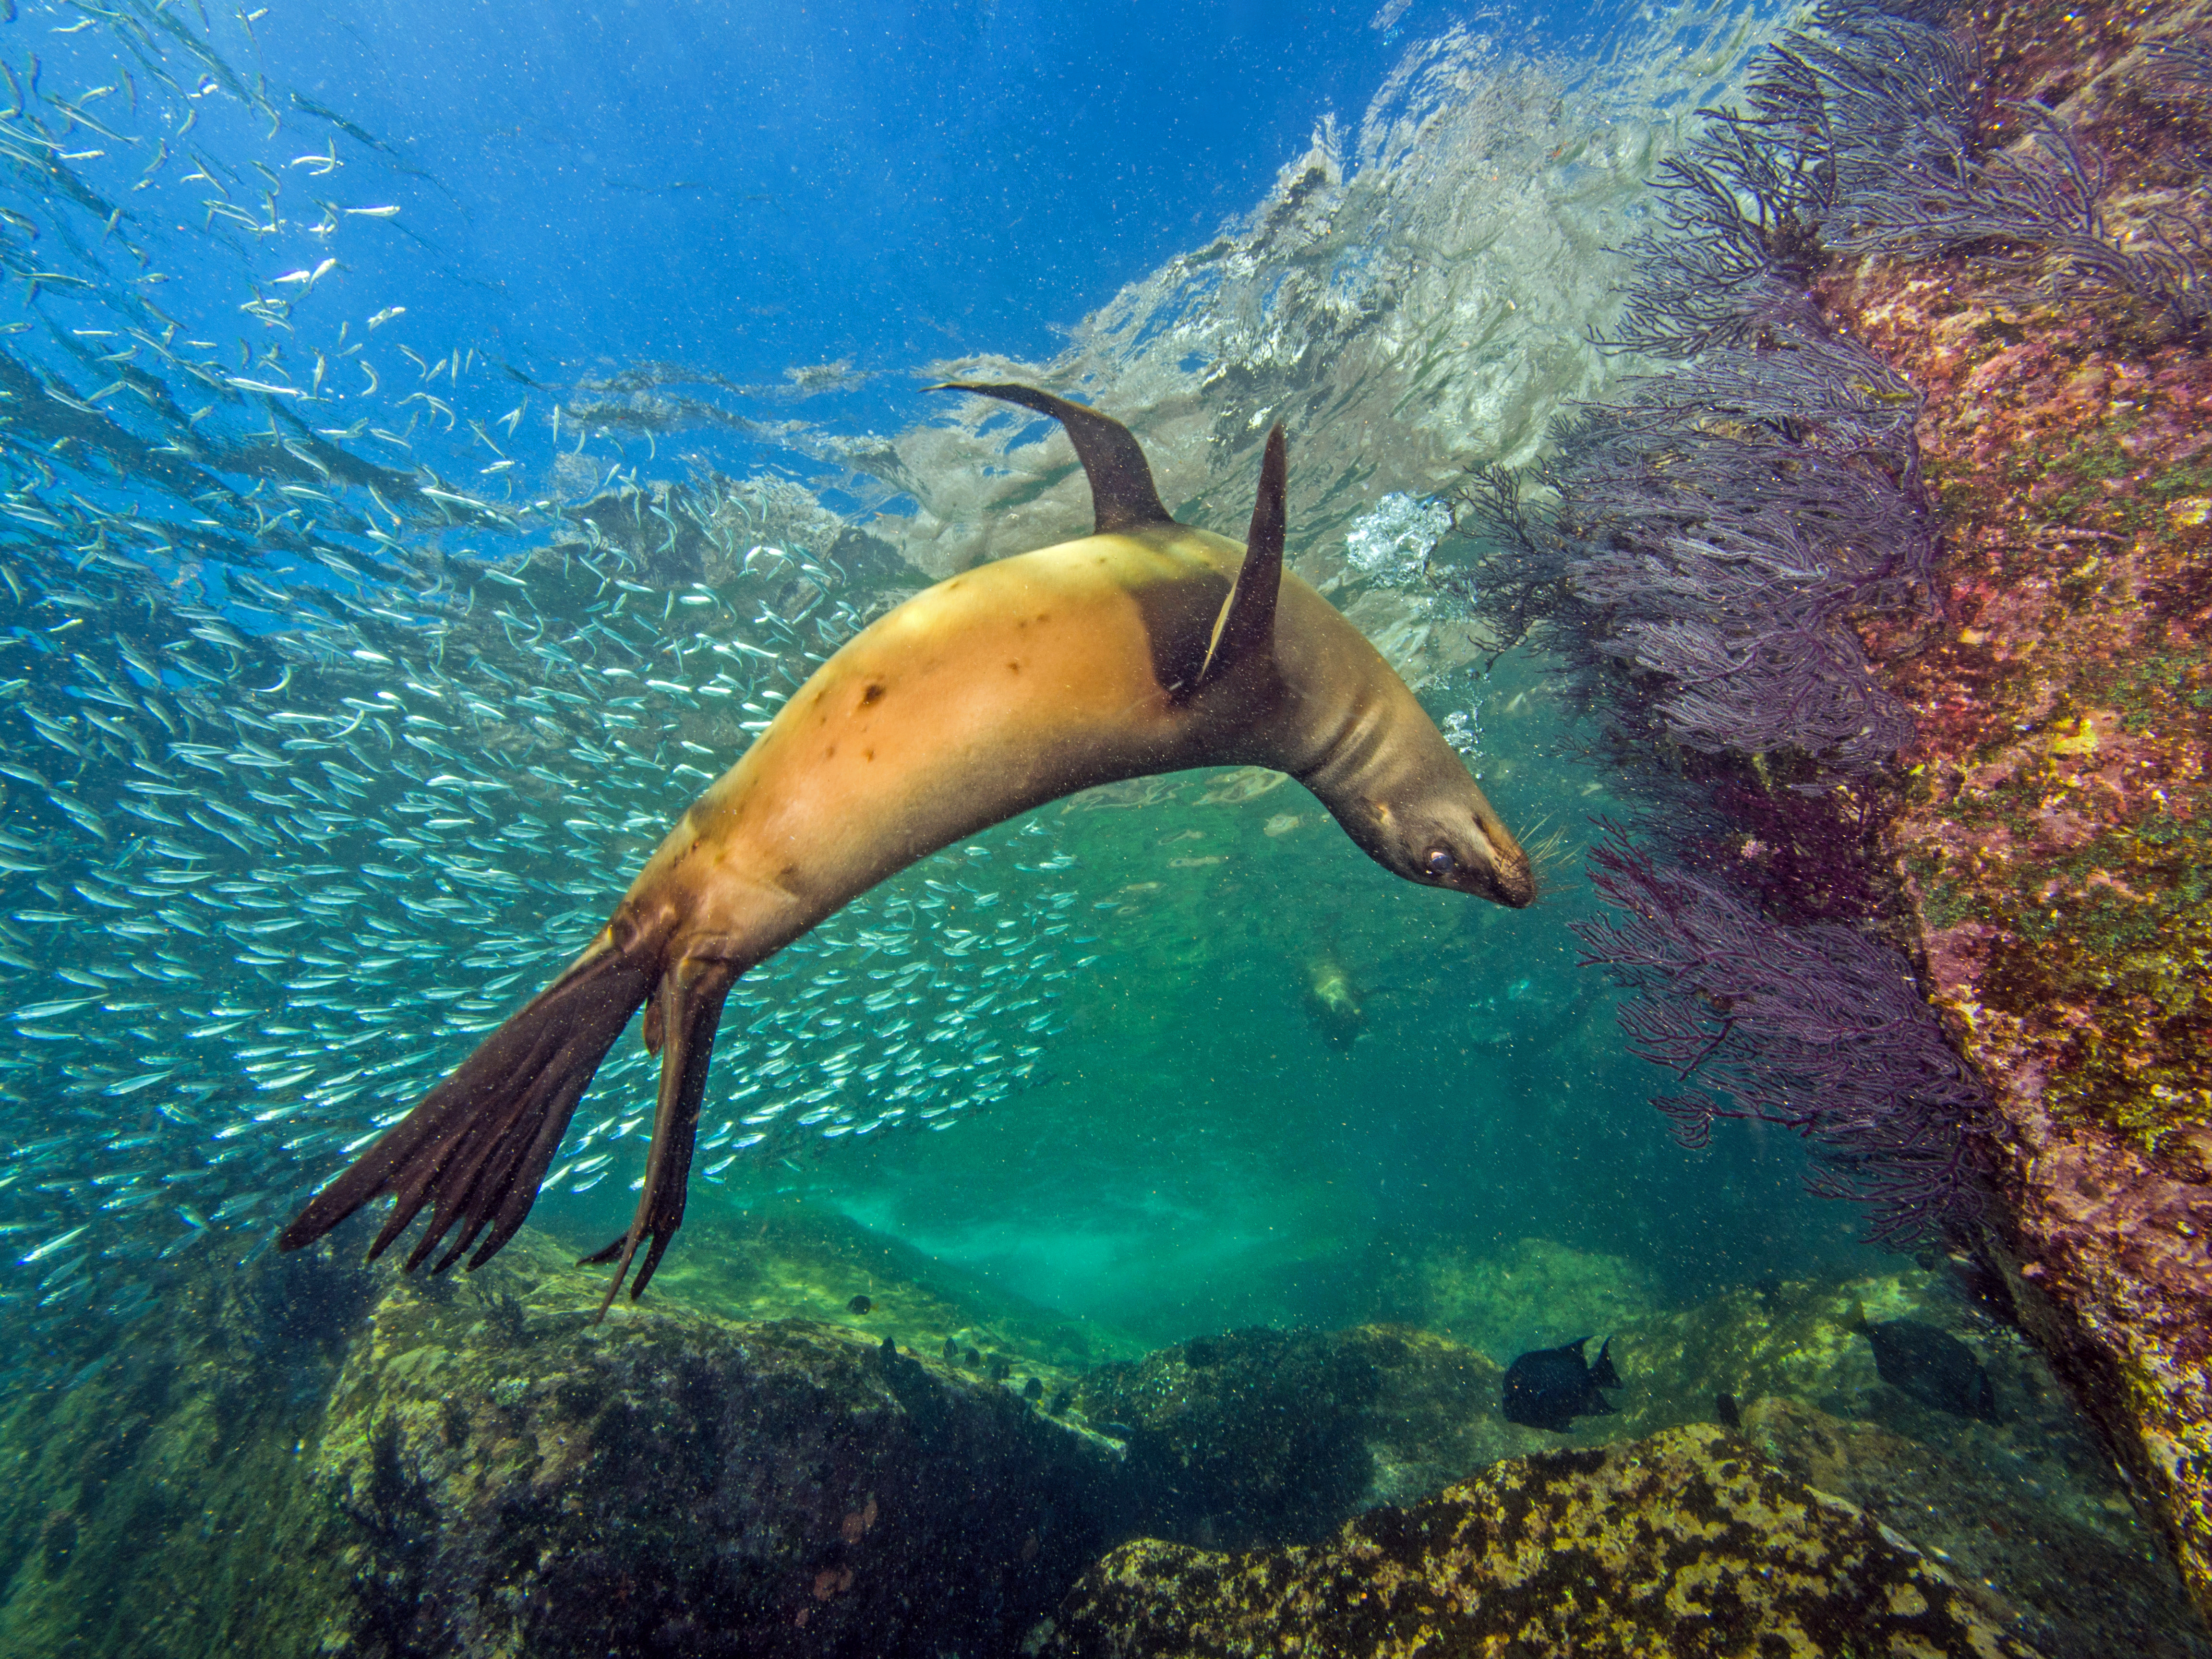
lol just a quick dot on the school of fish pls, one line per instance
(322, 742)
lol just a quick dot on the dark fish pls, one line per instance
(858, 1305)
(1987, 1288)
(1552, 1386)
(1931, 1366)
(1724, 1407)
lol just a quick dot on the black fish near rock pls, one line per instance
(1931, 1365)
(1552, 1386)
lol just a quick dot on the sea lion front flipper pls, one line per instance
(687, 1007)
(1247, 622)
(1122, 492)
(478, 1146)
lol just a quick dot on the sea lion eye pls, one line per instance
(1441, 864)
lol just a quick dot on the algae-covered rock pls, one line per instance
(507, 1476)
(151, 1505)
(1260, 1437)
(2080, 1582)
(306, 1457)
(783, 1261)
(1535, 1295)
(2053, 831)
(1254, 1435)
(1806, 1338)
(1688, 1543)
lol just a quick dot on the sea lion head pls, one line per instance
(1440, 830)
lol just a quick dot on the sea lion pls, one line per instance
(1147, 646)
(1333, 1000)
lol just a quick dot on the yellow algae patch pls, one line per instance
(1652, 1547)
(2081, 741)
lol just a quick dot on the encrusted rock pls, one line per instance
(1688, 1543)
(1260, 1437)
(508, 1477)
(2053, 836)
(2077, 1585)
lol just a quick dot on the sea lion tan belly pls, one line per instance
(992, 693)
(1148, 647)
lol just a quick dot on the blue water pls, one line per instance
(752, 189)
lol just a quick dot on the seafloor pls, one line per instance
(744, 1464)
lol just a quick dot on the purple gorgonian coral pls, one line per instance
(1727, 524)
(1863, 132)
(1817, 1029)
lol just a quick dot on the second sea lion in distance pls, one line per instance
(1147, 646)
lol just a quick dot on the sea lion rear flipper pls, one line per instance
(1247, 622)
(1122, 492)
(478, 1143)
(689, 1006)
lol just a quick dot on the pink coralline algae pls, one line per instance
(2054, 836)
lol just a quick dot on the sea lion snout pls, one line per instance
(1460, 845)
(1505, 877)
(1489, 865)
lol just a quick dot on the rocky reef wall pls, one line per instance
(2053, 836)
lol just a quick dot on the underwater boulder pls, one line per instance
(2060, 1564)
(506, 1476)
(1261, 1437)
(1495, 1301)
(1254, 1435)
(154, 1505)
(1687, 1542)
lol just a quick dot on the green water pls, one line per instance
(1210, 1145)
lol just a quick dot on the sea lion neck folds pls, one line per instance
(1147, 647)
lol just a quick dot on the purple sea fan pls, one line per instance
(1751, 633)
(1738, 245)
(1823, 391)
(2181, 65)
(1817, 1029)
(1727, 565)
(1751, 207)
